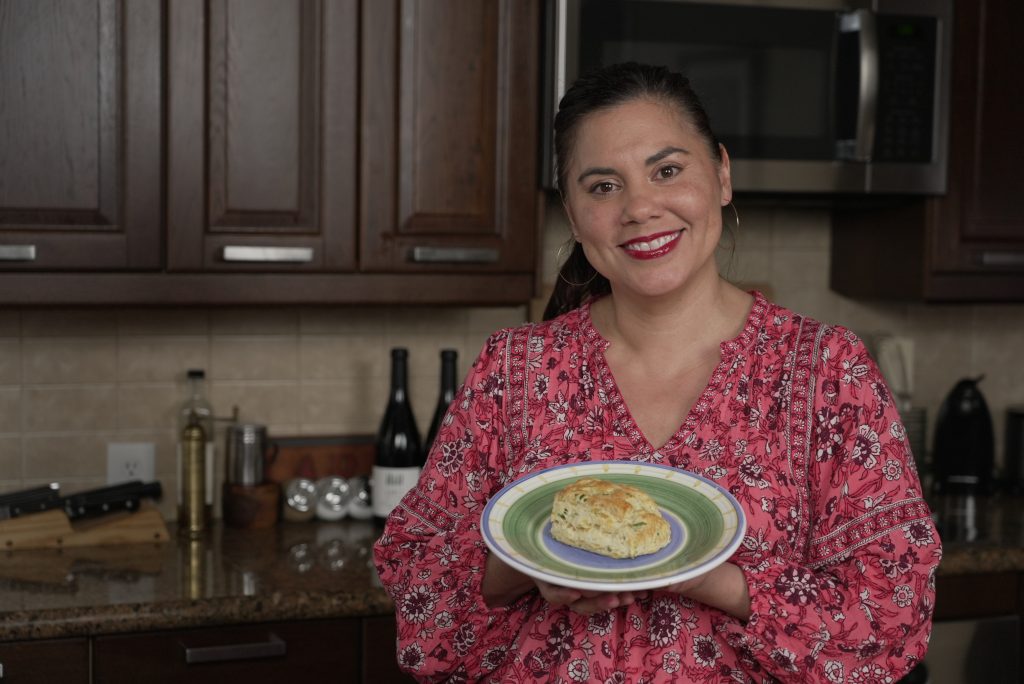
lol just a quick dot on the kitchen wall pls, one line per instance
(72, 380)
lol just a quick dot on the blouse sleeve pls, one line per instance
(431, 556)
(859, 607)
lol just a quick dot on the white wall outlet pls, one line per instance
(131, 461)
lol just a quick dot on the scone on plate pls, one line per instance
(608, 518)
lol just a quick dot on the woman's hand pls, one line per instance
(586, 602)
(503, 584)
(724, 588)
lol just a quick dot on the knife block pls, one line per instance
(53, 529)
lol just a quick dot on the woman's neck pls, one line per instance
(685, 327)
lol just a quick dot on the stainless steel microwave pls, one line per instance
(808, 96)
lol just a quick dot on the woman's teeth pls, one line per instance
(656, 243)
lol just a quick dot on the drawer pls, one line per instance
(309, 650)
(57, 660)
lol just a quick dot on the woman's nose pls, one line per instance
(640, 204)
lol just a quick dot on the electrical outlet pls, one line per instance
(131, 461)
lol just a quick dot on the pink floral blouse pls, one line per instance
(839, 554)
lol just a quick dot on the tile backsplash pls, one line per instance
(74, 380)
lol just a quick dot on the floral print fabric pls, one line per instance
(796, 421)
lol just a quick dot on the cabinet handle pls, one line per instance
(17, 252)
(1002, 258)
(295, 255)
(457, 255)
(273, 647)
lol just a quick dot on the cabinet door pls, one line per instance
(80, 134)
(57, 660)
(306, 651)
(967, 245)
(448, 130)
(380, 657)
(261, 151)
(980, 223)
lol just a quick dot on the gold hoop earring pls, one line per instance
(735, 213)
(572, 284)
(560, 254)
(562, 261)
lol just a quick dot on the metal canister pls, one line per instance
(300, 498)
(332, 497)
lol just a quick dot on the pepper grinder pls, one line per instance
(192, 510)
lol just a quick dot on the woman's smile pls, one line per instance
(652, 246)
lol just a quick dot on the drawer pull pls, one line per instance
(17, 252)
(273, 647)
(454, 255)
(292, 255)
(1002, 258)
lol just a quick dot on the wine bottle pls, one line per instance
(198, 407)
(396, 467)
(448, 358)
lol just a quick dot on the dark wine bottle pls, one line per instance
(399, 453)
(448, 358)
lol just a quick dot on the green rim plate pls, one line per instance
(707, 526)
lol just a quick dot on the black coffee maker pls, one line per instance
(964, 452)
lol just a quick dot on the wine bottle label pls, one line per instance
(389, 486)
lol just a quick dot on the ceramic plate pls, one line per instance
(707, 526)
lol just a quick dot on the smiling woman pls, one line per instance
(650, 357)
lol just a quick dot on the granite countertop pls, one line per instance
(297, 571)
(981, 536)
(289, 572)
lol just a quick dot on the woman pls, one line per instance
(649, 355)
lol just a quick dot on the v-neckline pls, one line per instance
(730, 349)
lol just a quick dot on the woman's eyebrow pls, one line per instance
(596, 171)
(661, 154)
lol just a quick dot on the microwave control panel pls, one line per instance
(906, 88)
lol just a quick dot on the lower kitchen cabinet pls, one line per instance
(55, 660)
(300, 651)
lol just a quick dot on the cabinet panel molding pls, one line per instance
(262, 134)
(80, 129)
(448, 133)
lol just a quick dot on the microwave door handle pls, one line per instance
(565, 42)
(863, 22)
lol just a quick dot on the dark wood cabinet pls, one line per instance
(261, 156)
(449, 102)
(299, 651)
(967, 245)
(55, 660)
(80, 135)
(269, 152)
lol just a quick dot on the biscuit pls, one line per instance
(608, 518)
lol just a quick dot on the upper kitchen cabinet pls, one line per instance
(262, 140)
(268, 151)
(448, 168)
(969, 244)
(80, 136)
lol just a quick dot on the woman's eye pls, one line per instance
(668, 172)
(602, 188)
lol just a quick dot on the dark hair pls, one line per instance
(602, 89)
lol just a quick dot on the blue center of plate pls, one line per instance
(595, 561)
